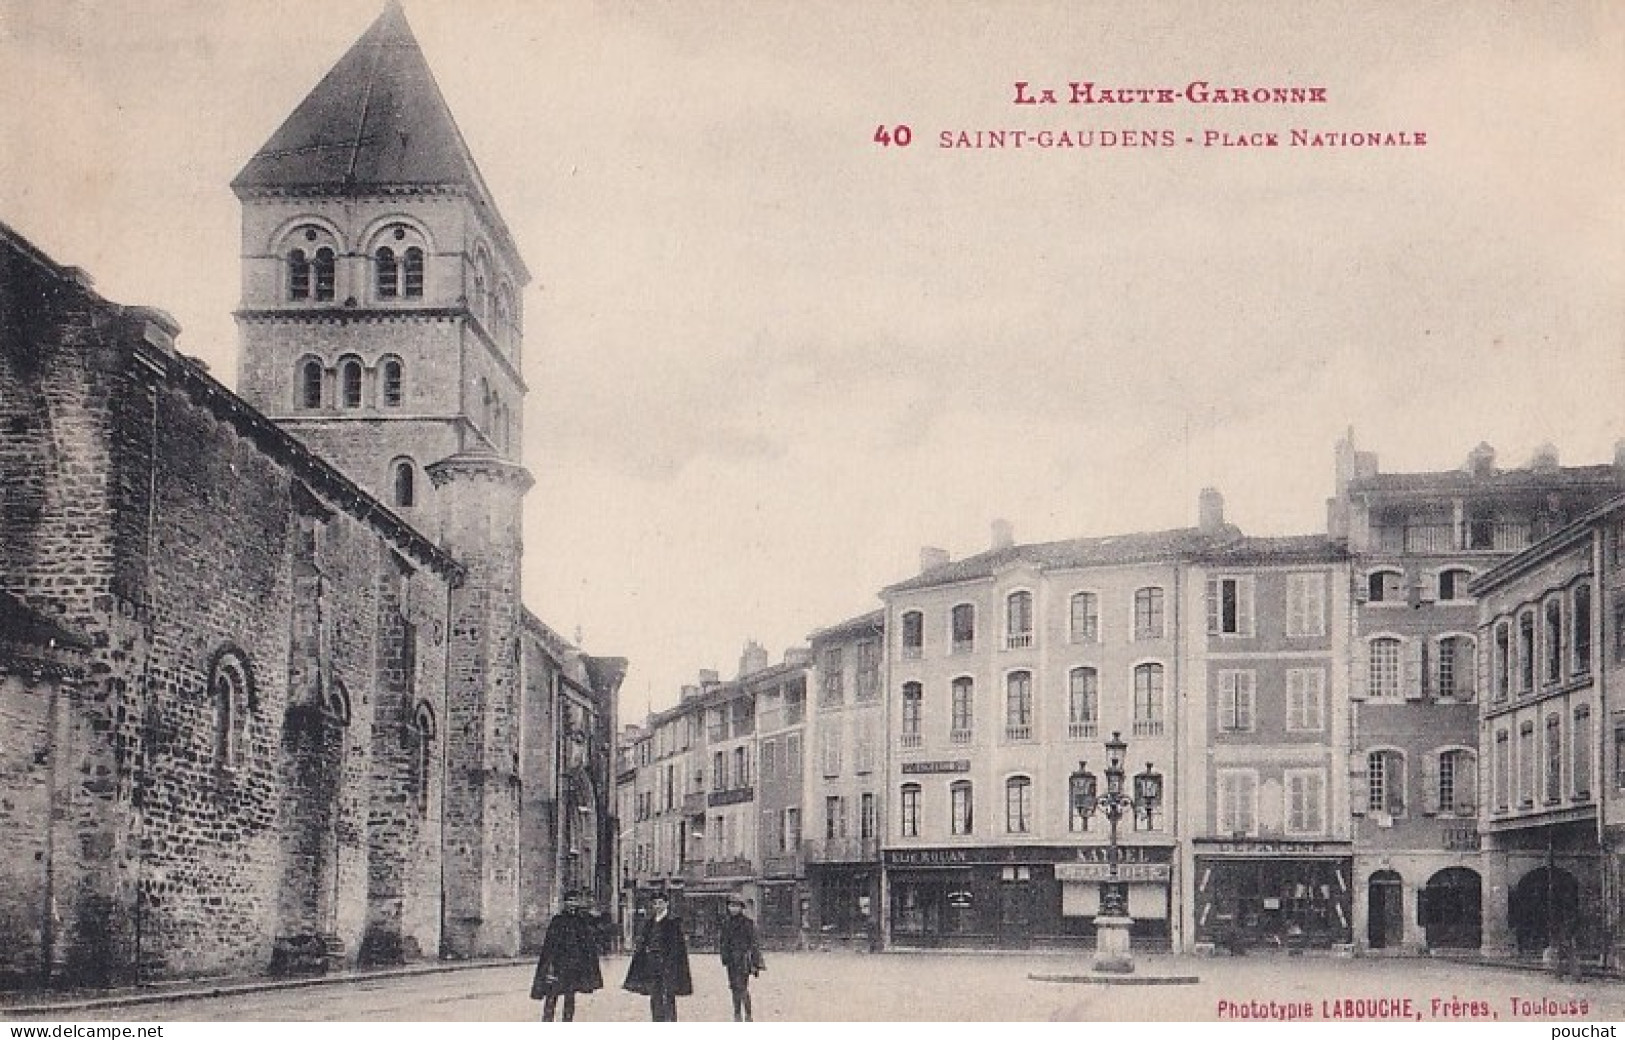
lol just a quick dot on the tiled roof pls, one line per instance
(872, 621)
(1280, 549)
(1074, 552)
(1508, 480)
(377, 118)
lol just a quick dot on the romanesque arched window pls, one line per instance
(310, 383)
(422, 763)
(350, 383)
(231, 697)
(405, 480)
(298, 275)
(392, 383)
(325, 270)
(386, 273)
(412, 273)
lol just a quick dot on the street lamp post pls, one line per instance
(1112, 922)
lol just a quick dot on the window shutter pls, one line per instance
(1359, 791)
(1227, 700)
(1360, 688)
(1212, 606)
(1394, 780)
(1411, 669)
(1430, 784)
(1244, 701)
(1295, 694)
(1429, 582)
(1466, 784)
(1244, 606)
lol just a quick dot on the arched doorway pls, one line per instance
(1546, 896)
(1385, 910)
(1452, 909)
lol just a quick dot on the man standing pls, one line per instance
(569, 961)
(659, 965)
(741, 955)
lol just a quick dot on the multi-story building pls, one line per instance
(780, 694)
(1268, 856)
(844, 788)
(1417, 541)
(1550, 734)
(1006, 673)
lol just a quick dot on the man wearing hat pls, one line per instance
(741, 955)
(569, 961)
(659, 965)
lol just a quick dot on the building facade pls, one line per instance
(1418, 540)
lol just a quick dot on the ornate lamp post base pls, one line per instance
(1112, 953)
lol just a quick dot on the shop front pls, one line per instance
(846, 904)
(1273, 894)
(1021, 896)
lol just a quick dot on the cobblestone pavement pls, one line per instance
(946, 987)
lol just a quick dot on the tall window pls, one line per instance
(963, 620)
(1305, 801)
(298, 275)
(228, 686)
(1083, 703)
(392, 383)
(1554, 757)
(412, 268)
(310, 384)
(1501, 661)
(913, 634)
(423, 760)
(741, 767)
(1148, 613)
(1503, 770)
(1018, 706)
(1018, 620)
(1148, 700)
(719, 772)
(1237, 801)
(1581, 615)
(1306, 604)
(1385, 782)
(1526, 763)
(1385, 586)
(1383, 669)
(866, 815)
(387, 273)
(960, 709)
(1085, 618)
(350, 384)
(1582, 752)
(1018, 805)
(913, 705)
(405, 481)
(1453, 584)
(1526, 651)
(908, 814)
(960, 808)
(1553, 636)
(1236, 701)
(834, 817)
(1457, 790)
(834, 690)
(868, 671)
(1454, 670)
(832, 751)
(792, 829)
(792, 755)
(1230, 606)
(1305, 700)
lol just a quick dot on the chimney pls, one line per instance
(931, 558)
(1210, 511)
(1004, 534)
(1545, 460)
(1619, 455)
(798, 655)
(753, 659)
(690, 692)
(709, 677)
(1481, 460)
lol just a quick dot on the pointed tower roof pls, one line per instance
(376, 120)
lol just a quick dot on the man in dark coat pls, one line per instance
(659, 965)
(741, 955)
(569, 961)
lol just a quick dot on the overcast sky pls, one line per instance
(769, 358)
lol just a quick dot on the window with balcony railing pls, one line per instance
(1018, 706)
(1018, 620)
(959, 736)
(1148, 705)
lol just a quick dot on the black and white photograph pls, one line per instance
(793, 511)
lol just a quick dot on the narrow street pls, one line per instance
(944, 988)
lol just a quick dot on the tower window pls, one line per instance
(405, 481)
(310, 384)
(350, 381)
(392, 383)
(298, 275)
(326, 272)
(413, 270)
(388, 272)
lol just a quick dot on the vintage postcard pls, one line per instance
(895, 511)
